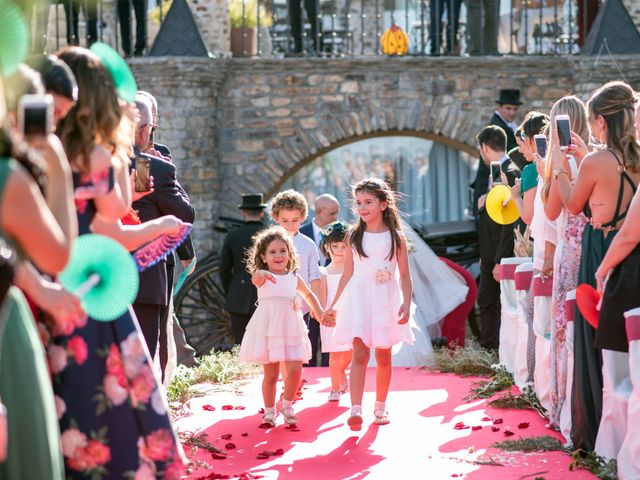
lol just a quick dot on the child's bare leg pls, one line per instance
(292, 382)
(283, 371)
(335, 369)
(358, 370)
(383, 373)
(345, 361)
(269, 380)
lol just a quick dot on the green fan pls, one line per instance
(103, 275)
(14, 38)
(122, 76)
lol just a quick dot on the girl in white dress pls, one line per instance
(373, 300)
(277, 332)
(332, 245)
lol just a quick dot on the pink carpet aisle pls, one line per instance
(420, 442)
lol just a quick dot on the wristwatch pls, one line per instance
(558, 172)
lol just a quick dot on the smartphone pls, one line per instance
(541, 144)
(35, 115)
(495, 171)
(143, 176)
(564, 131)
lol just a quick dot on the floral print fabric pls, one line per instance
(113, 417)
(565, 272)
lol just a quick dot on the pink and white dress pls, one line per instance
(276, 331)
(329, 344)
(368, 308)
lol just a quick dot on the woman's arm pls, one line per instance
(553, 203)
(133, 237)
(528, 202)
(310, 298)
(624, 242)
(575, 198)
(59, 193)
(63, 306)
(113, 205)
(27, 219)
(406, 284)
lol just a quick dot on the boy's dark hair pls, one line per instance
(333, 233)
(493, 137)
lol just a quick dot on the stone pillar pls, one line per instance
(212, 17)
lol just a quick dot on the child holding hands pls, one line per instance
(373, 302)
(277, 332)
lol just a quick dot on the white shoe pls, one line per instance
(334, 396)
(289, 414)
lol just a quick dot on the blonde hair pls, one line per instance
(616, 102)
(260, 244)
(289, 200)
(574, 107)
(390, 216)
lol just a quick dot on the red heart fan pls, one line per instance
(157, 249)
(588, 301)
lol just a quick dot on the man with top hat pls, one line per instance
(241, 294)
(504, 117)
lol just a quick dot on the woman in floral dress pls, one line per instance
(113, 417)
(569, 243)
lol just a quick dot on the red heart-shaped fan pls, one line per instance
(588, 301)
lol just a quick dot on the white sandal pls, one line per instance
(381, 417)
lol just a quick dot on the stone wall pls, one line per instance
(237, 126)
(633, 7)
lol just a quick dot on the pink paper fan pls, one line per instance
(158, 248)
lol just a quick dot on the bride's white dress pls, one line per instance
(437, 290)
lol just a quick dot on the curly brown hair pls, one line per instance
(96, 118)
(261, 241)
(289, 200)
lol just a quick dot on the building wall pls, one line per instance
(238, 126)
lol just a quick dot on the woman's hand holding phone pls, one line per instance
(577, 148)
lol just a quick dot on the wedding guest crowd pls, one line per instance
(579, 197)
(81, 395)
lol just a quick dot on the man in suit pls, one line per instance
(327, 209)
(184, 352)
(297, 23)
(503, 117)
(241, 294)
(495, 240)
(168, 198)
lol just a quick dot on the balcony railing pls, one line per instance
(347, 28)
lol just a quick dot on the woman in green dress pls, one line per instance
(603, 189)
(34, 450)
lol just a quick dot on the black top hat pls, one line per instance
(509, 97)
(252, 202)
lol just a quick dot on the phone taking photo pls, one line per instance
(495, 170)
(35, 115)
(541, 144)
(143, 174)
(563, 128)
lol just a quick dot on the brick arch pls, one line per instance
(444, 119)
(389, 133)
